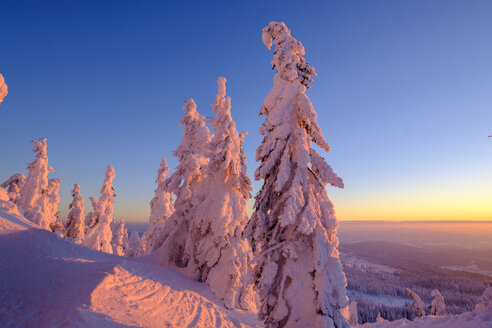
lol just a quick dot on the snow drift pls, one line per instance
(47, 281)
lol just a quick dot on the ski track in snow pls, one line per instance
(47, 281)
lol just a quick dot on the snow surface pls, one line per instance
(47, 281)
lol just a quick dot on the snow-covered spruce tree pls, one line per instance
(90, 219)
(53, 188)
(6, 205)
(418, 305)
(99, 234)
(192, 154)
(135, 248)
(353, 315)
(34, 194)
(3, 89)
(13, 185)
(437, 307)
(293, 229)
(217, 252)
(75, 226)
(120, 238)
(161, 208)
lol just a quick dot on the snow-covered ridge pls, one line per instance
(47, 281)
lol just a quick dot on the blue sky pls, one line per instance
(403, 94)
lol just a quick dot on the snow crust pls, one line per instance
(293, 228)
(47, 281)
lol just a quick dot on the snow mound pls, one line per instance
(10, 222)
(47, 281)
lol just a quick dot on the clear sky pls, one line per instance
(403, 94)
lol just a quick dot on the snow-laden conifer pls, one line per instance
(437, 307)
(293, 229)
(54, 199)
(75, 226)
(192, 154)
(418, 305)
(3, 89)
(34, 194)
(120, 238)
(134, 245)
(99, 234)
(353, 315)
(161, 208)
(6, 205)
(13, 185)
(485, 305)
(217, 252)
(90, 219)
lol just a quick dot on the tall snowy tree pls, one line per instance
(293, 229)
(99, 234)
(34, 197)
(13, 185)
(120, 238)
(3, 89)
(437, 307)
(161, 208)
(418, 305)
(75, 226)
(218, 253)
(192, 154)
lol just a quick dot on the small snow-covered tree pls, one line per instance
(379, 318)
(6, 205)
(418, 305)
(90, 219)
(3, 89)
(134, 245)
(99, 234)
(485, 305)
(120, 239)
(54, 200)
(293, 229)
(218, 254)
(75, 226)
(192, 154)
(161, 208)
(353, 316)
(13, 185)
(34, 195)
(437, 307)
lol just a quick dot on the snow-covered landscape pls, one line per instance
(203, 258)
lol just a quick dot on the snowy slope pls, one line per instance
(46, 281)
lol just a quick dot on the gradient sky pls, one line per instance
(403, 94)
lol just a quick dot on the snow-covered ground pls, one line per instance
(47, 281)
